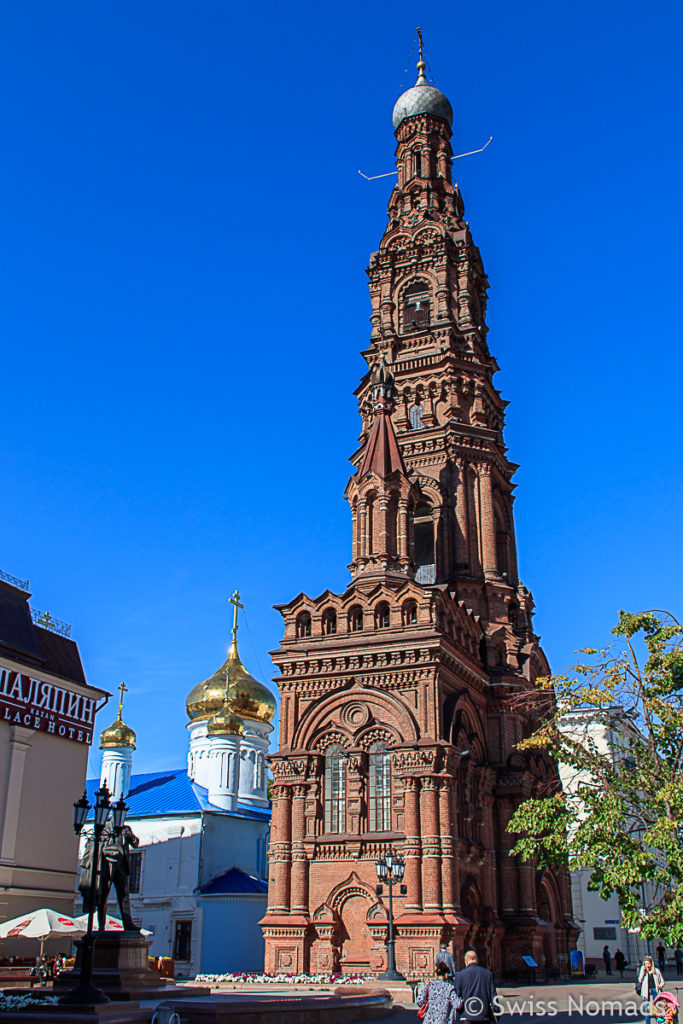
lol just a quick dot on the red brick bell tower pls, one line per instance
(396, 723)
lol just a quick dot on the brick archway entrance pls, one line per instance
(352, 900)
(355, 935)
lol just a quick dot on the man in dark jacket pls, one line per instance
(444, 956)
(475, 986)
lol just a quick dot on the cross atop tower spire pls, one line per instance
(235, 601)
(123, 688)
(421, 43)
(421, 64)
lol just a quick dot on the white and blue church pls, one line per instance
(199, 875)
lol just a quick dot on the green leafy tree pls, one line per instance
(614, 725)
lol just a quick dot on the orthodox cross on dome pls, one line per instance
(235, 601)
(123, 688)
(419, 36)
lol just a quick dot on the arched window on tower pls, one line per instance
(382, 615)
(417, 163)
(416, 306)
(329, 622)
(303, 625)
(423, 536)
(355, 619)
(409, 613)
(379, 788)
(335, 789)
(416, 417)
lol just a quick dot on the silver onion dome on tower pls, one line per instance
(422, 99)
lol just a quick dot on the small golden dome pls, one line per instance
(248, 698)
(117, 735)
(225, 723)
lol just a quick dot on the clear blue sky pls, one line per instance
(184, 239)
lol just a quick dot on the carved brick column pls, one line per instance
(355, 539)
(487, 521)
(412, 846)
(462, 545)
(448, 880)
(403, 553)
(356, 773)
(299, 874)
(384, 533)
(363, 528)
(472, 500)
(431, 845)
(280, 850)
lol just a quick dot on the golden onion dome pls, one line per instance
(248, 698)
(117, 735)
(225, 722)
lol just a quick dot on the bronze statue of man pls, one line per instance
(113, 868)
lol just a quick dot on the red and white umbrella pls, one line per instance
(41, 924)
(111, 924)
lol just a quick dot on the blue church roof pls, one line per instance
(233, 881)
(156, 794)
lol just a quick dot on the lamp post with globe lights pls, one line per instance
(85, 991)
(390, 871)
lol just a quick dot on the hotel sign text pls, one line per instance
(36, 704)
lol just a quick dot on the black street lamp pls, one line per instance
(390, 871)
(85, 991)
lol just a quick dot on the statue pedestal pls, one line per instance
(121, 970)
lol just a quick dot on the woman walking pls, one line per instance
(439, 998)
(650, 983)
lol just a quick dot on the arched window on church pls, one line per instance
(416, 417)
(303, 625)
(382, 615)
(423, 537)
(329, 622)
(417, 163)
(379, 788)
(409, 613)
(416, 306)
(335, 789)
(355, 619)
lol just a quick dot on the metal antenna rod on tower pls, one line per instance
(471, 152)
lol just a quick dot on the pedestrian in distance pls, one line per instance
(620, 962)
(678, 957)
(661, 957)
(474, 984)
(444, 956)
(437, 1001)
(607, 959)
(648, 986)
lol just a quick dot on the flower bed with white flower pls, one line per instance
(253, 978)
(23, 1003)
